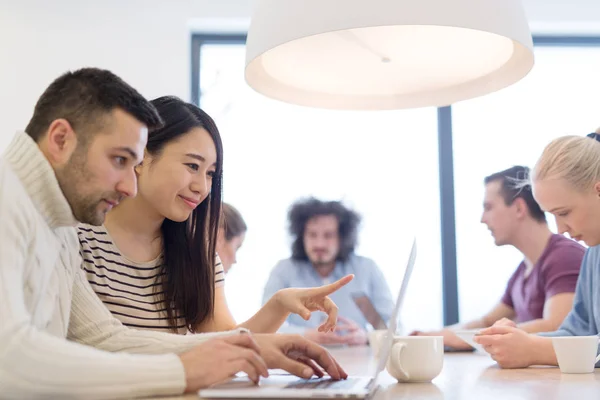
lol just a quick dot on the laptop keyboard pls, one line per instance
(323, 383)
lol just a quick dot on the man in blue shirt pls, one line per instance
(324, 239)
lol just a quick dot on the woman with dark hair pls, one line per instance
(154, 264)
(232, 232)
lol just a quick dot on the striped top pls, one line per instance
(130, 290)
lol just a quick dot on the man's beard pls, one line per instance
(74, 179)
(322, 261)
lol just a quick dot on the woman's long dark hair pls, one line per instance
(189, 246)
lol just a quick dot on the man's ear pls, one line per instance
(521, 207)
(597, 189)
(60, 142)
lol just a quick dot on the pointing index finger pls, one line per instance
(332, 287)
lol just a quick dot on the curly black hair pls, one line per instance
(304, 209)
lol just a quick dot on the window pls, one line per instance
(491, 133)
(383, 164)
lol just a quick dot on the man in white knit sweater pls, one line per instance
(57, 339)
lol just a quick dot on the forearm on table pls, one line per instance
(539, 325)
(474, 324)
(542, 351)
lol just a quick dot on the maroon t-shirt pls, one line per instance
(555, 272)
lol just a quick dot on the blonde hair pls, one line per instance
(575, 159)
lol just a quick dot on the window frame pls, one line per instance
(450, 306)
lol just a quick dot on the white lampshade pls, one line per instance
(385, 54)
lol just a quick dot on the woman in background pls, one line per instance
(231, 235)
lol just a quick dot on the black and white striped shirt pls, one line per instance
(130, 290)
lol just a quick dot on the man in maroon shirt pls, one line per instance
(539, 294)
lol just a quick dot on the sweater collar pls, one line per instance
(39, 180)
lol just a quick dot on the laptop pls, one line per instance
(290, 386)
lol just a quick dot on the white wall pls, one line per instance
(147, 42)
(563, 16)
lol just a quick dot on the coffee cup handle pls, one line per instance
(598, 357)
(396, 351)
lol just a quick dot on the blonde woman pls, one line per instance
(566, 183)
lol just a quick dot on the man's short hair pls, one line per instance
(513, 187)
(305, 209)
(84, 98)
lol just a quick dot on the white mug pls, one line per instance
(576, 354)
(375, 339)
(416, 358)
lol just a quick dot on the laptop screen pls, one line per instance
(386, 343)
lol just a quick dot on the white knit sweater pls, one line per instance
(57, 339)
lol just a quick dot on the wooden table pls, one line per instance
(467, 376)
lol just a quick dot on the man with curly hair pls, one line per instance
(324, 237)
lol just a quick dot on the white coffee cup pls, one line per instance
(576, 354)
(375, 338)
(416, 358)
